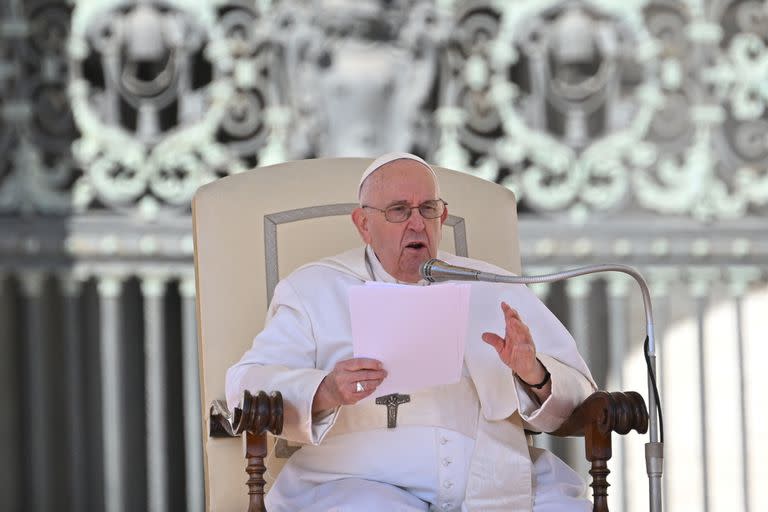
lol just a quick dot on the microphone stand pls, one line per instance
(436, 270)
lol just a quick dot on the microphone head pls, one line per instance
(426, 269)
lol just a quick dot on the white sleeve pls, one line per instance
(283, 358)
(569, 389)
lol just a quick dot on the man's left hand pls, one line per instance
(516, 349)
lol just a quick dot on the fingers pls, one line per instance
(509, 311)
(516, 349)
(369, 386)
(360, 363)
(511, 316)
(339, 387)
(494, 340)
(350, 395)
(362, 375)
(349, 371)
(346, 375)
(516, 330)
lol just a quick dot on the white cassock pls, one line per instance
(460, 447)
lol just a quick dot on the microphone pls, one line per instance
(435, 270)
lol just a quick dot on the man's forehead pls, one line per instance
(410, 170)
(399, 181)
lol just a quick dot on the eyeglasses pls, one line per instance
(397, 213)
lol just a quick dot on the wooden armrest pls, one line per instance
(259, 414)
(607, 412)
(596, 418)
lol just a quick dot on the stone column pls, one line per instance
(578, 291)
(153, 291)
(10, 397)
(110, 289)
(193, 419)
(38, 451)
(542, 292)
(739, 279)
(660, 281)
(619, 286)
(700, 286)
(71, 287)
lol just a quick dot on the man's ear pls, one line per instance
(444, 215)
(360, 219)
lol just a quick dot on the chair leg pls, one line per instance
(598, 452)
(260, 413)
(255, 451)
(600, 415)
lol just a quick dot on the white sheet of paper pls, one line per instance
(417, 332)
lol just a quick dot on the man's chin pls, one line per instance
(414, 259)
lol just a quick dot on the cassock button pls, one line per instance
(447, 461)
(446, 506)
(443, 440)
(447, 484)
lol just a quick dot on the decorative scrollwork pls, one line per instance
(36, 166)
(167, 97)
(360, 74)
(583, 108)
(598, 106)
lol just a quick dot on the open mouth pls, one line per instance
(416, 246)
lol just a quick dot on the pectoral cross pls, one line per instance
(392, 402)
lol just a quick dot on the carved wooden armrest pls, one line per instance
(259, 414)
(596, 418)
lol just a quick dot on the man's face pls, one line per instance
(401, 247)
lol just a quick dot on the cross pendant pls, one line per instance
(392, 402)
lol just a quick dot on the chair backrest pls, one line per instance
(254, 228)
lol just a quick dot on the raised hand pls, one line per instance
(340, 387)
(516, 349)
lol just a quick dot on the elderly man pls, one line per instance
(458, 447)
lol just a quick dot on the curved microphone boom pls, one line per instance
(435, 270)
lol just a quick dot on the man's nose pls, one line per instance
(416, 221)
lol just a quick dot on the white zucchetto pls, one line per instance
(387, 158)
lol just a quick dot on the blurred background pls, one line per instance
(631, 132)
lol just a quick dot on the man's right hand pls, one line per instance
(340, 386)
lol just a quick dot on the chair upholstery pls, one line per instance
(253, 228)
